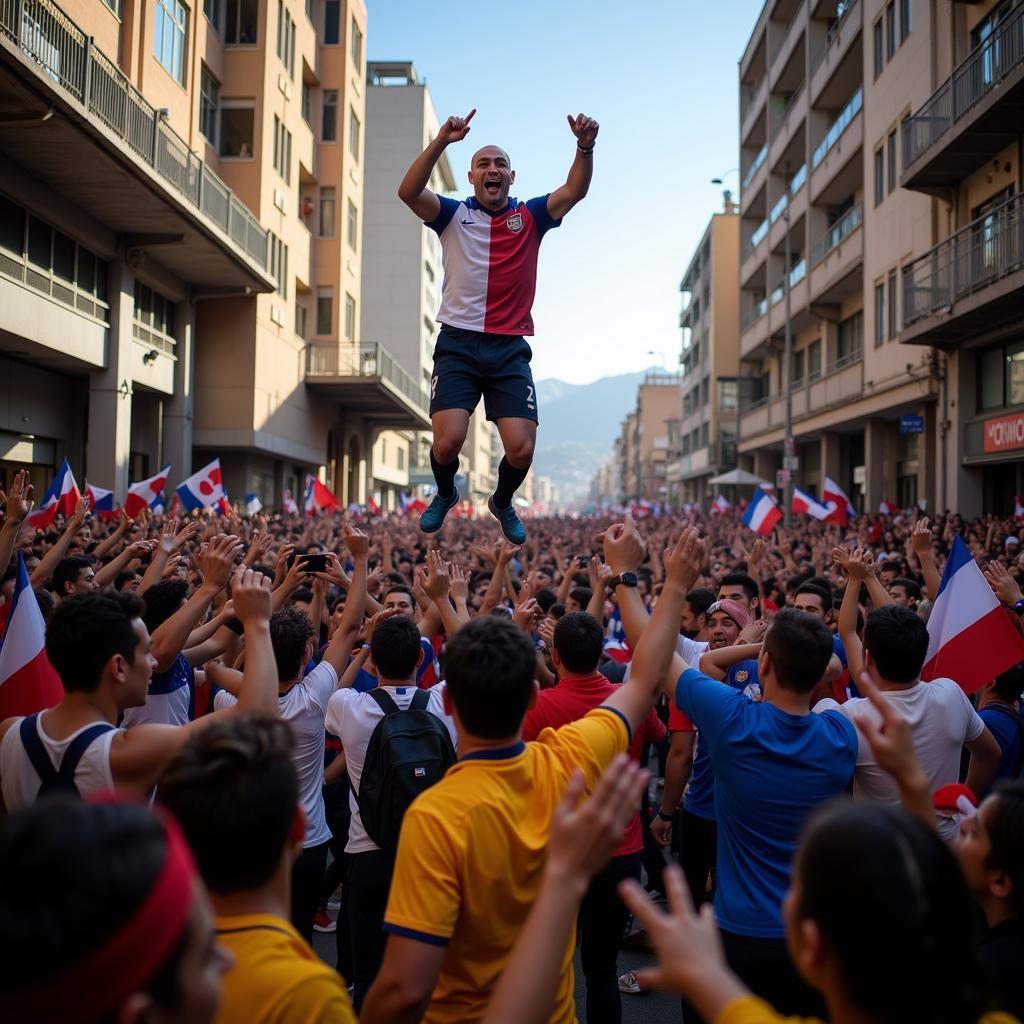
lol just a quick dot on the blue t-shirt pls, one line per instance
(839, 650)
(1004, 724)
(772, 769)
(365, 681)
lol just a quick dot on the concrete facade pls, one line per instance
(642, 450)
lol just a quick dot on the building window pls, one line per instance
(890, 152)
(797, 369)
(357, 46)
(209, 97)
(893, 324)
(329, 117)
(879, 176)
(878, 39)
(309, 9)
(850, 341)
(286, 38)
(401, 458)
(211, 8)
(353, 134)
(153, 310)
(332, 22)
(114, 5)
(890, 29)
(350, 317)
(282, 149)
(170, 37)
(327, 212)
(813, 361)
(880, 318)
(728, 393)
(905, 24)
(240, 20)
(279, 264)
(237, 118)
(306, 102)
(352, 225)
(1000, 373)
(300, 320)
(324, 310)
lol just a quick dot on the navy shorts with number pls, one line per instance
(470, 364)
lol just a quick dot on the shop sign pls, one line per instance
(1004, 433)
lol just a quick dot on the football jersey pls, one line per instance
(490, 263)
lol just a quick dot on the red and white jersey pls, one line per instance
(490, 263)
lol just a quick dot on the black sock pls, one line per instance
(444, 475)
(509, 479)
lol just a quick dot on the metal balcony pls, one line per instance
(972, 116)
(52, 55)
(972, 281)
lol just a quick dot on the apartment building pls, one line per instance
(703, 441)
(175, 280)
(824, 88)
(402, 264)
(963, 289)
(642, 452)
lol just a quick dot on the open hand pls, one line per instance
(19, 498)
(683, 563)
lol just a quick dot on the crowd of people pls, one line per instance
(489, 757)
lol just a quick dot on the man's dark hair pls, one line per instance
(579, 641)
(821, 592)
(898, 642)
(545, 598)
(741, 579)
(1005, 826)
(557, 610)
(581, 595)
(47, 603)
(110, 856)
(489, 668)
(1009, 685)
(124, 577)
(891, 565)
(793, 583)
(800, 646)
(395, 647)
(67, 571)
(290, 631)
(163, 599)
(400, 588)
(263, 570)
(912, 587)
(302, 594)
(700, 599)
(86, 631)
(234, 789)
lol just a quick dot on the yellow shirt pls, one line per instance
(471, 852)
(277, 978)
(751, 1010)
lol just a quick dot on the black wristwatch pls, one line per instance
(665, 817)
(1019, 607)
(626, 579)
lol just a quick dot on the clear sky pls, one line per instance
(661, 78)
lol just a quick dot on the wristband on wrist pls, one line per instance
(235, 625)
(584, 150)
(665, 817)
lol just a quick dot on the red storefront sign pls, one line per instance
(1004, 433)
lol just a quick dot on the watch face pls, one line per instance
(629, 578)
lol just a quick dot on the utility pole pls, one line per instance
(789, 449)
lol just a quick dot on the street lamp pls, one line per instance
(720, 180)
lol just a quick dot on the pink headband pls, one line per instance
(733, 609)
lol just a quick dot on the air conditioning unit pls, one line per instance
(277, 315)
(285, 85)
(280, 200)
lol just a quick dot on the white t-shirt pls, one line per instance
(304, 707)
(352, 717)
(941, 720)
(689, 650)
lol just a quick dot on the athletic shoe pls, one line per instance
(432, 520)
(323, 922)
(515, 532)
(629, 984)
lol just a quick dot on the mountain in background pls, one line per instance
(578, 427)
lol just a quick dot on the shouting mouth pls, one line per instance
(492, 186)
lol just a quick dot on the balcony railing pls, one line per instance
(796, 275)
(839, 125)
(845, 226)
(748, 176)
(833, 33)
(755, 312)
(795, 184)
(367, 359)
(780, 117)
(1000, 54)
(971, 259)
(759, 234)
(66, 55)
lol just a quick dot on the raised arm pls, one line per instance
(600, 574)
(855, 569)
(112, 539)
(18, 501)
(413, 190)
(43, 572)
(921, 541)
(716, 664)
(340, 647)
(577, 184)
(106, 574)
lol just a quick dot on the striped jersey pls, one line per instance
(490, 263)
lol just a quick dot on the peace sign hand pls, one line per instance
(455, 129)
(584, 128)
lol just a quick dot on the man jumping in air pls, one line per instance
(490, 243)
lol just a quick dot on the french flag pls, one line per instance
(719, 506)
(61, 496)
(804, 504)
(288, 502)
(971, 638)
(318, 497)
(762, 514)
(101, 501)
(253, 505)
(203, 489)
(28, 682)
(372, 507)
(145, 493)
(839, 505)
(887, 508)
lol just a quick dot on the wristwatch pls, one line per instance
(665, 817)
(626, 579)
(1019, 607)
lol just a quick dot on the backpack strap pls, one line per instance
(420, 701)
(77, 748)
(63, 777)
(384, 700)
(36, 751)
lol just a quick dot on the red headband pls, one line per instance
(96, 985)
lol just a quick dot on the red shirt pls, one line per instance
(569, 701)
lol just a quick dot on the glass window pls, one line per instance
(12, 226)
(357, 45)
(324, 310)
(332, 22)
(350, 317)
(401, 458)
(905, 25)
(329, 119)
(327, 212)
(352, 227)
(170, 36)
(727, 395)
(285, 38)
(798, 367)
(890, 29)
(236, 129)
(300, 320)
(990, 367)
(814, 360)
(40, 242)
(306, 102)
(211, 8)
(63, 256)
(893, 326)
(353, 134)
(282, 149)
(851, 336)
(86, 278)
(1015, 374)
(240, 21)
(880, 322)
(114, 5)
(879, 176)
(209, 96)
(890, 148)
(879, 47)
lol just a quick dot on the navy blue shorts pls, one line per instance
(469, 365)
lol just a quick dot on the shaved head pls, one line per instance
(490, 151)
(491, 175)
